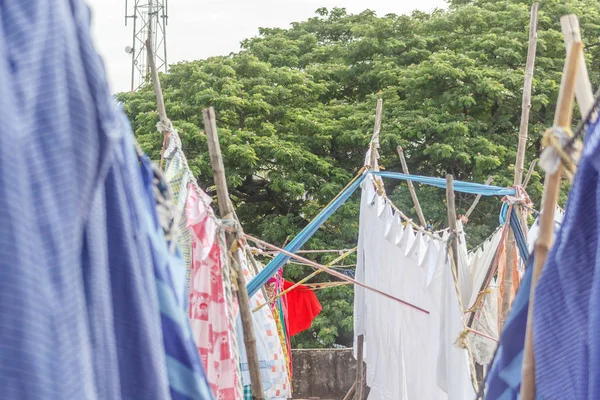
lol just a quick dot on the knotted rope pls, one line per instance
(560, 148)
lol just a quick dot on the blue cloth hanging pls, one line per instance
(567, 303)
(79, 311)
(504, 379)
(459, 186)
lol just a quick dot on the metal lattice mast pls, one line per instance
(150, 18)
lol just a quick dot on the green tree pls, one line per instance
(295, 111)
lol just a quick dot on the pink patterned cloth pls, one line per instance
(210, 314)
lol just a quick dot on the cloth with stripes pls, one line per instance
(504, 379)
(79, 309)
(187, 380)
(567, 302)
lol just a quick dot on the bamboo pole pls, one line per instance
(375, 138)
(372, 162)
(411, 187)
(451, 206)
(562, 119)
(360, 368)
(520, 161)
(165, 123)
(227, 212)
(351, 392)
(526, 103)
(529, 173)
(478, 198)
(583, 86)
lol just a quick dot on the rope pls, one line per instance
(478, 300)
(306, 233)
(334, 273)
(325, 285)
(558, 147)
(295, 285)
(582, 124)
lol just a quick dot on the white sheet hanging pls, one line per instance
(402, 345)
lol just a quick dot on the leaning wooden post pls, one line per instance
(511, 245)
(583, 87)
(375, 138)
(478, 198)
(411, 187)
(165, 123)
(451, 206)
(526, 103)
(529, 173)
(562, 119)
(227, 212)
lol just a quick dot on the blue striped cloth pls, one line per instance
(79, 309)
(567, 303)
(503, 382)
(186, 375)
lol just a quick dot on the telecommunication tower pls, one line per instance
(150, 19)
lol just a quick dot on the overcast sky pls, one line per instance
(203, 28)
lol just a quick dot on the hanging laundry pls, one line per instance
(484, 303)
(504, 379)
(79, 315)
(272, 289)
(182, 357)
(179, 178)
(302, 308)
(212, 307)
(272, 362)
(566, 315)
(409, 354)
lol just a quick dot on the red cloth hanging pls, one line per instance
(302, 308)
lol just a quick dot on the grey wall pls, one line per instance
(326, 374)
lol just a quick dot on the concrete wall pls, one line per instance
(326, 374)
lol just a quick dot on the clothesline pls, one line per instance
(333, 273)
(306, 233)
(459, 186)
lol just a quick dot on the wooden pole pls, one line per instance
(529, 173)
(451, 205)
(583, 86)
(227, 212)
(562, 119)
(160, 101)
(478, 198)
(351, 392)
(360, 370)
(165, 123)
(411, 187)
(375, 139)
(526, 103)
(372, 162)
(520, 161)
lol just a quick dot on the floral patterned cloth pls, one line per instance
(211, 313)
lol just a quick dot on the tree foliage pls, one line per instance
(295, 111)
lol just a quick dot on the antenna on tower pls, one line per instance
(150, 19)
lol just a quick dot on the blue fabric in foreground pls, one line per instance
(566, 316)
(184, 367)
(504, 379)
(459, 186)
